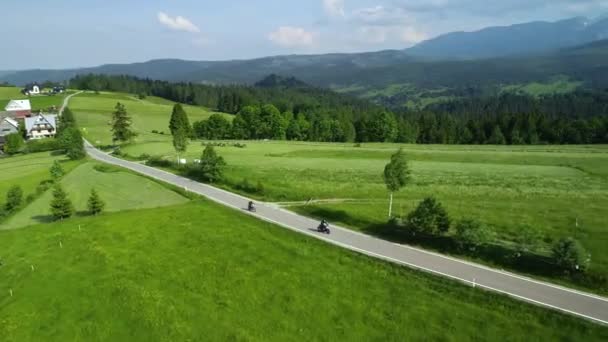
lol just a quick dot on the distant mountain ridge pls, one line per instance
(519, 39)
(532, 52)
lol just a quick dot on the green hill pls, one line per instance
(202, 272)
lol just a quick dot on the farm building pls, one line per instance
(18, 109)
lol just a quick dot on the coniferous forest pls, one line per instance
(284, 108)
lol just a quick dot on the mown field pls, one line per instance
(119, 189)
(28, 171)
(40, 102)
(94, 112)
(203, 272)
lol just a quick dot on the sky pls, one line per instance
(77, 33)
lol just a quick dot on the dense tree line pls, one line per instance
(284, 108)
(285, 94)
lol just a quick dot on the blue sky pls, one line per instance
(75, 33)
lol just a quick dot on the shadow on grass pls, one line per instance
(498, 255)
(43, 218)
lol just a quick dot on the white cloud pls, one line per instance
(334, 8)
(289, 36)
(177, 23)
(412, 36)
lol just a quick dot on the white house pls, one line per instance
(31, 89)
(41, 126)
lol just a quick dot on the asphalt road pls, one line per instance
(571, 301)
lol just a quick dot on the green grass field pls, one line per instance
(94, 112)
(40, 102)
(28, 171)
(120, 190)
(548, 188)
(203, 272)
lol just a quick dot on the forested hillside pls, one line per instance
(286, 108)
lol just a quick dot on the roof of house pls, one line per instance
(12, 122)
(31, 86)
(40, 119)
(18, 105)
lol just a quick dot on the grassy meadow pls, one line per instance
(199, 271)
(548, 189)
(94, 112)
(555, 191)
(40, 102)
(28, 171)
(119, 189)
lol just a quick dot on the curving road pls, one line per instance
(578, 303)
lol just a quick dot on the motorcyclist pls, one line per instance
(324, 225)
(251, 206)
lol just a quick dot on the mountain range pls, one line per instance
(473, 62)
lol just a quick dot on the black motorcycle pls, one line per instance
(251, 207)
(324, 228)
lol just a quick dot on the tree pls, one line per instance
(61, 206)
(396, 176)
(14, 198)
(66, 120)
(497, 138)
(13, 143)
(56, 170)
(95, 204)
(211, 166)
(429, 217)
(383, 128)
(470, 234)
(569, 255)
(179, 120)
(72, 143)
(180, 142)
(216, 127)
(121, 125)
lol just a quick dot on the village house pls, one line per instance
(41, 126)
(32, 89)
(7, 126)
(18, 109)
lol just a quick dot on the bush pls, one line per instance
(56, 171)
(42, 145)
(248, 187)
(30, 198)
(14, 198)
(105, 168)
(13, 143)
(470, 234)
(154, 131)
(158, 161)
(43, 186)
(569, 255)
(429, 218)
(210, 168)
